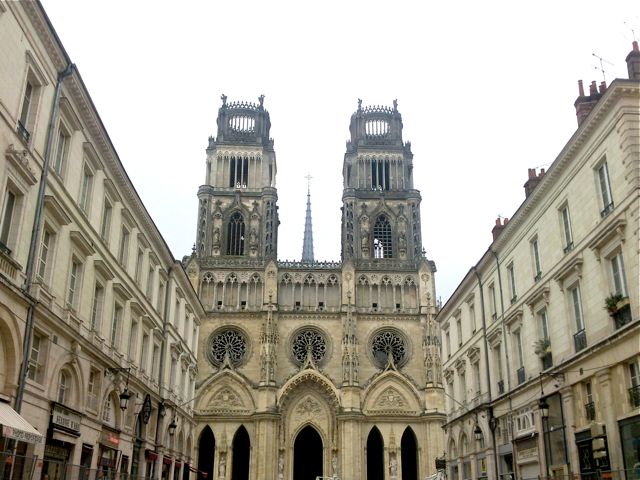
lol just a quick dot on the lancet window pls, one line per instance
(235, 235)
(382, 247)
(238, 172)
(380, 178)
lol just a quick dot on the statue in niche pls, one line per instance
(222, 466)
(365, 240)
(216, 236)
(253, 237)
(402, 241)
(281, 466)
(393, 468)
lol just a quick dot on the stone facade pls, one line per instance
(314, 368)
(551, 312)
(93, 301)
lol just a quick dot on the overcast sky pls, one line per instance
(485, 89)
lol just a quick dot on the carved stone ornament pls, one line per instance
(390, 399)
(308, 408)
(227, 398)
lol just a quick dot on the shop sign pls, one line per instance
(21, 435)
(55, 451)
(65, 418)
(524, 453)
(108, 438)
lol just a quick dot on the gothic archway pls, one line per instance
(206, 449)
(375, 455)
(307, 454)
(241, 455)
(409, 449)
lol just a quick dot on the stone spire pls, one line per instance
(307, 244)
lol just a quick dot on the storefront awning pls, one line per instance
(13, 425)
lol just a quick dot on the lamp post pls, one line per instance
(125, 395)
(477, 433)
(172, 426)
(543, 406)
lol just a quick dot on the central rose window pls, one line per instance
(228, 342)
(389, 342)
(311, 342)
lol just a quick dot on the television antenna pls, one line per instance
(602, 62)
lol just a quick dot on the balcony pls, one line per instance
(622, 316)
(590, 411)
(580, 340)
(23, 133)
(521, 376)
(634, 396)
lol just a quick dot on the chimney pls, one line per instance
(633, 62)
(584, 104)
(532, 181)
(497, 229)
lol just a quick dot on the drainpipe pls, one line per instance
(35, 237)
(488, 371)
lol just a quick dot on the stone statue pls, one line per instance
(224, 100)
(261, 100)
(359, 104)
(216, 236)
(253, 237)
(222, 467)
(395, 105)
(280, 466)
(393, 468)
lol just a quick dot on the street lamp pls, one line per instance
(477, 432)
(543, 406)
(125, 395)
(172, 426)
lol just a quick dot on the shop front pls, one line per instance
(166, 467)
(527, 457)
(630, 439)
(16, 435)
(108, 451)
(62, 435)
(590, 467)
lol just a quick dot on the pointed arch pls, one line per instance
(10, 349)
(235, 234)
(225, 392)
(382, 244)
(241, 449)
(409, 458)
(375, 455)
(391, 393)
(206, 449)
(308, 453)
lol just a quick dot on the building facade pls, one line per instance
(314, 368)
(541, 339)
(94, 309)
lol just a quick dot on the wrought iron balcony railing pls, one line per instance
(634, 396)
(580, 340)
(590, 411)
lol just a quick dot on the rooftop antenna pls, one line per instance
(633, 33)
(602, 62)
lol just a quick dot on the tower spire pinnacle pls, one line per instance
(307, 243)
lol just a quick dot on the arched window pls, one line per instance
(235, 235)
(64, 382)
(109, 412)
(382, 238)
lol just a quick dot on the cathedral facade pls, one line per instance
(310, 368)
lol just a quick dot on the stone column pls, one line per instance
(265, 453)
(607, 399)
(568, 409)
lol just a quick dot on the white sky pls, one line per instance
(485, 89)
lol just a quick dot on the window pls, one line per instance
(492, 302)
(36, 357)
(45, 253)
(25, 111)
(93, 389)
(145, 350)
(576, 304)
(123, 251)
(62, 150)
(459, 331)
(476, 377)
(605, 189)
(512, 282)
(63, 387)
(380, 179)
(105, 225)
(30, 98)
(108, 412)
(382, 247)
(634, 378)
(133, 340)
(567, 235)
(96, 307)
(161, 293)
(517, 345)
(238, 172)
(116, 322)
(617, 274)
(544, 324)
(74, 282)
(463, 388)
(85, 189)
(7, 218)
(448, 343)
(235, 235)
(152, 270)
(472, 317)
(535, 253)
(155, 359)
(139, 259)
(497, 363)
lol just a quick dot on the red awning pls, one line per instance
(150, 454)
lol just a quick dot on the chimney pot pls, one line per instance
(506, 220)
(633, 62)
(593, 89)
(603, 87)
(635, 46)
(580, 88)
(542, 172)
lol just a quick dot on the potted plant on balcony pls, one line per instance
(615, 302)
(542, 347)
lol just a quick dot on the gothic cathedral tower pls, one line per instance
(238, 215)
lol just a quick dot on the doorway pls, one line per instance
(375, 455)
(307, 454)
(206, 449)
(241, 455)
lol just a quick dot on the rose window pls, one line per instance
(309, 342)
(389, 342)
(227, 342)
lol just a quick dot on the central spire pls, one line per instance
(307, 244)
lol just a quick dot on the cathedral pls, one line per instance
(314, 369)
